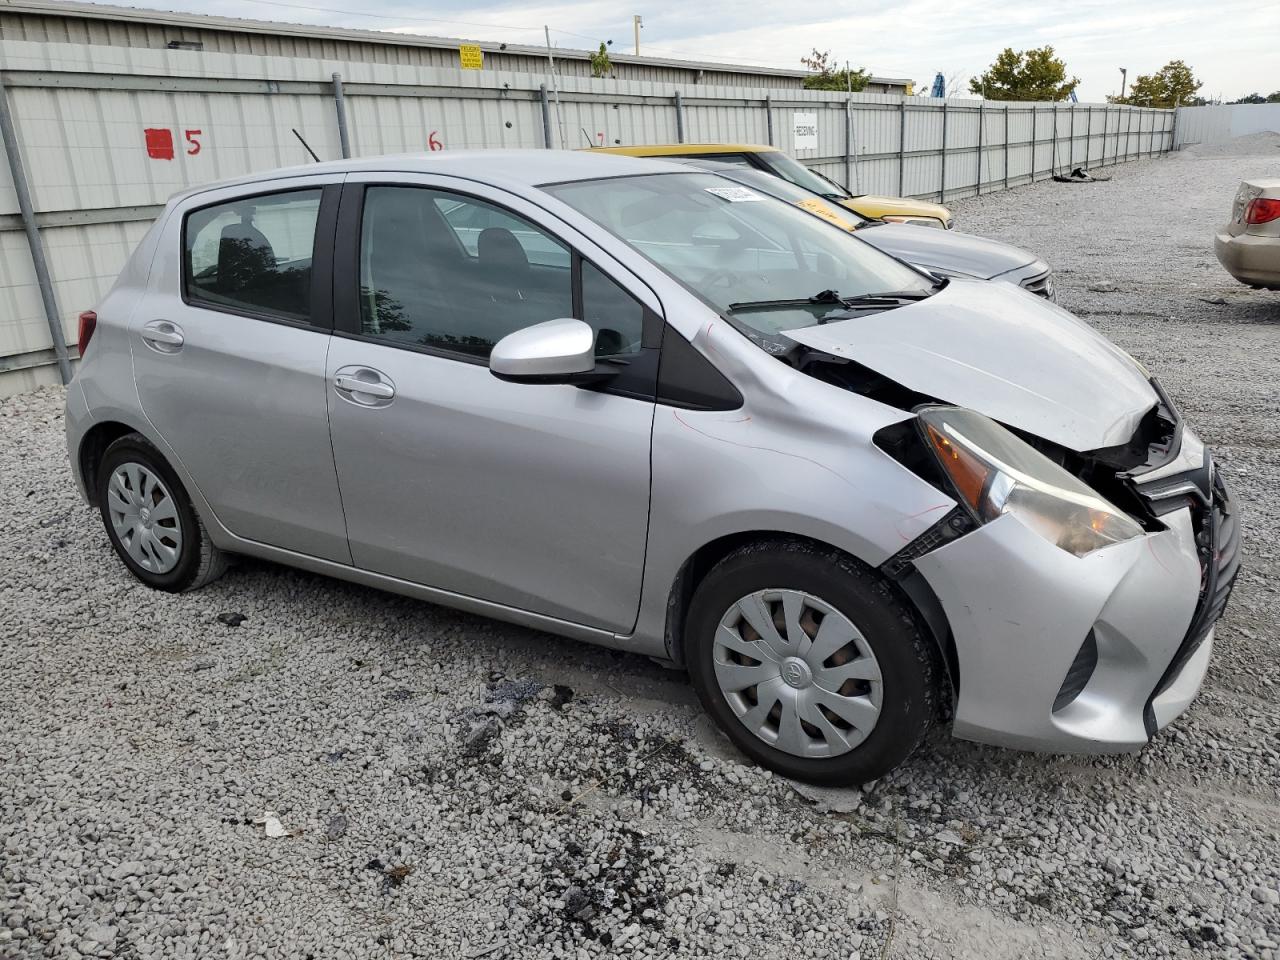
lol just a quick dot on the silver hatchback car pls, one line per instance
(644, 406)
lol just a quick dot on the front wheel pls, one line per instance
(811, 663)
(150, 519)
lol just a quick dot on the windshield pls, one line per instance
(802, 176)
(743, 252)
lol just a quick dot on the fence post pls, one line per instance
(942, 184)
(982, 122)
(1035, 139)
(1088, 136)
(546, 116)
(679, 118)
(902, 148)
(1106, 132)
(43, 279)
(848, 145)
(340, 106)
(1173, 132)
(768, 116)
(1006, 146)
(1053, 161)
(1071, 147)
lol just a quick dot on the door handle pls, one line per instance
(163, 336)
(364, 386)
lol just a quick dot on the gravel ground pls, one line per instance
(445, 785)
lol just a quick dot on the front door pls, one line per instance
(229, 346)
(533, 496)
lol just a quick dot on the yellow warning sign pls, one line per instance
(470, 56)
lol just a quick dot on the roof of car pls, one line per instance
(510, 167)
(683, 149)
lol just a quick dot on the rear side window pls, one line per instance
(253, 254)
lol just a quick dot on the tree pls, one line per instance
(1025, 75)
(1173, 85)
(601, 65)
(825, 76)
(1259, 98)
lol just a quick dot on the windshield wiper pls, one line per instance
(890, 298)
(825, 296)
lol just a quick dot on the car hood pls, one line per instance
(1003, 352)
(956, 253)
(873, 205)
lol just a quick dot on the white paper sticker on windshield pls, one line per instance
(734, 194)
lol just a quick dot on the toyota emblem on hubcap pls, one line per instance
(796, 673)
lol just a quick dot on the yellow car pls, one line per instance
(774, 161)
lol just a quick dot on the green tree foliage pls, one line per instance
(825, 76)
(601, 65)
(1173, 85)
(1025, 75)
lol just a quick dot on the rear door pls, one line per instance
(229, 350)
(533, 496)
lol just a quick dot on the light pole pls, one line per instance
(637, 22)
(1124, 75)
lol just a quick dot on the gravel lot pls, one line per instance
(451, 786)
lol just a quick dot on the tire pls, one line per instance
(887, 663)
(168, 548)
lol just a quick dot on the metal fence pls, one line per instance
(106, 134)
(1222, 122)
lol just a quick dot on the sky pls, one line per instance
(1231, 45)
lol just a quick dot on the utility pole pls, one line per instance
(637, 22)
(1124, 75)
(555, 86)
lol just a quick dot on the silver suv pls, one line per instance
(647, 407)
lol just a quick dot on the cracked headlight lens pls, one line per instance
(994, 473)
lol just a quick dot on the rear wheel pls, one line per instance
(150, 519)
(810, 662)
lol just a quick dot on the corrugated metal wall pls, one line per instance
(85, 114)
(405, 50)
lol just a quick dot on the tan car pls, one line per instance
(773, 161)
(1249, 246)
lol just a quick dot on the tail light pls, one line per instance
(1262, 210)
(88, 324)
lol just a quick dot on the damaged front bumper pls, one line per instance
(1088, 654)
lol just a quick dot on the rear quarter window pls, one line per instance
(253, 254)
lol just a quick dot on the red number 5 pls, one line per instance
(433, 142)
(191, 139)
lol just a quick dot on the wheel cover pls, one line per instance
(144, 517)
(797, 673)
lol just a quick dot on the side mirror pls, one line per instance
(557, 351)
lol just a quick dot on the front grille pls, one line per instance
(1218, 540)
(1041, 284)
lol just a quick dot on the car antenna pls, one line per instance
(304, 143)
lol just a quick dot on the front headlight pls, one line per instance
(995, 473)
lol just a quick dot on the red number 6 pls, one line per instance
(434, 143)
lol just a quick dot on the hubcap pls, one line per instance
(797, 673)
(144, 518)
